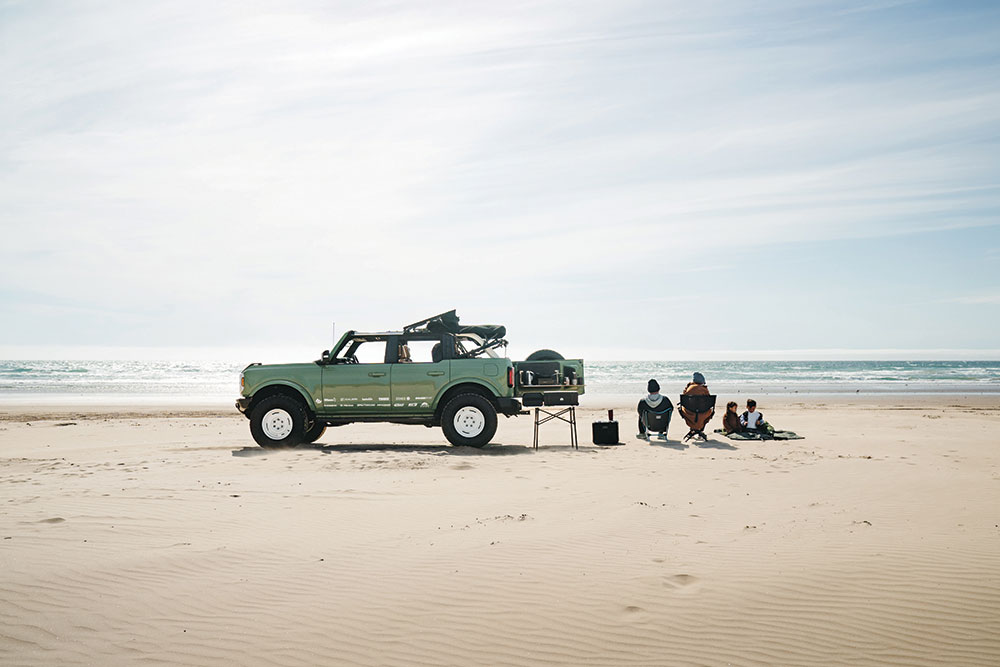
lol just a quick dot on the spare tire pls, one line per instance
(545, 355)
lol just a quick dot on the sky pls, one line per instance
(613, 180)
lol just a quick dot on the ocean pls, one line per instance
(217, 383)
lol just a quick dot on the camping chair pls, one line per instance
(697, 406)
(657, 422)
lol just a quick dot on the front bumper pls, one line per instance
(242, 404)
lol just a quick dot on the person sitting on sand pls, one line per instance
(696, 421)
(655, 403)
(752, 420)
(731, 422)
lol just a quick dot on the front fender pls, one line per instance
(276, 386)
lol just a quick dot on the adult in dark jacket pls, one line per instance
(653, 404)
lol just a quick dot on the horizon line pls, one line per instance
(245, 352)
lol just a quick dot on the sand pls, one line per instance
(148, 536)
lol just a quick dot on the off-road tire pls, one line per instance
(469, 420)
(545, 355)
(278, 421)
(314, 432)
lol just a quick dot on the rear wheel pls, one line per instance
(469, 420)
(314, 432)
(278, 421)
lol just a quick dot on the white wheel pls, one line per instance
(277, 424)
(469, 421)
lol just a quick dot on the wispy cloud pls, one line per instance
(219, 159)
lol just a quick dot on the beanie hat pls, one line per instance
(653, 386)
(699, 378)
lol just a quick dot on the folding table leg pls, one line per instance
(536, 428)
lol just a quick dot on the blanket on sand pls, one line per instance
(760, 435)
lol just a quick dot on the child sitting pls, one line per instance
(752, 420)
(731, 422)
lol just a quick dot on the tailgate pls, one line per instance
(564, 374)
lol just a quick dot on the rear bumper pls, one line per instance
(508, 406)
(242, 404)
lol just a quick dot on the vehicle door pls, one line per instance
(357, 383)
(415, 382)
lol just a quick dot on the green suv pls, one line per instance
(434, 372)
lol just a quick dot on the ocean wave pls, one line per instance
(178, 378)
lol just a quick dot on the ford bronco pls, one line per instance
(434, 372)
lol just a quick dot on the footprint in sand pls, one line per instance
(461, 466)
(55, 519)
(681, 582)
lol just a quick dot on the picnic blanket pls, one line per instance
(761, 435)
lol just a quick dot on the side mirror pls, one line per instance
(325, 356)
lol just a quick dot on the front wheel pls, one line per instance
(469, 420)
(278, 421)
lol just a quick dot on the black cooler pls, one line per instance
(606, 432)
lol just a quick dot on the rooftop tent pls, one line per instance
(448, 323)
(443, 323)
(485, 331)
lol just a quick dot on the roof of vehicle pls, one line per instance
(448, 323)
(422, 332)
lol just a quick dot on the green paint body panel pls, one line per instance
(361, 389)
(415, 388)
(306, 379)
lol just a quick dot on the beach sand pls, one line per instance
(166, 536)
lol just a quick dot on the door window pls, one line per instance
(370, 352)
(420, 351)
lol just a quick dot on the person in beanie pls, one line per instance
(654, 404)
(696, 421)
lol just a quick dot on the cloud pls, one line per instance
(186, 171)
